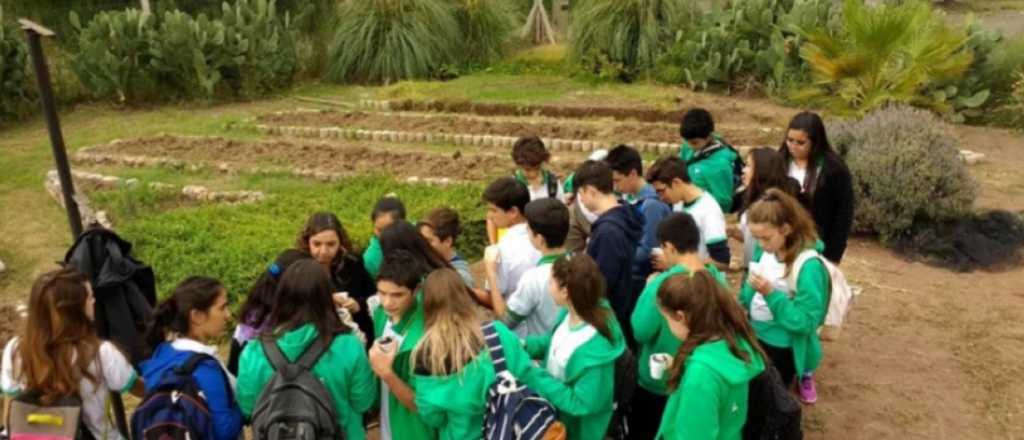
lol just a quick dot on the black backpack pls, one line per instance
(772, 412)
(737, 165)
(295, 405)
(175, 407)
(625, 387)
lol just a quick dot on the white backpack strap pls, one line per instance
(798, 265)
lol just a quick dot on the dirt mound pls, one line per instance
(329, 157)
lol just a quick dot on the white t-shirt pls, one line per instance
(112, 371)
(516, 255)
(800, 174)
(564, 343)
(533, 303)
(710, 221)
(385, 410)
(541, 191)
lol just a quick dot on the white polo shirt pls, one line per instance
(516, 255)
(710, 220)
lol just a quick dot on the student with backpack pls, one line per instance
(453, 366)
(56, 356)
(712, 163)
(399, 321)
(578, 354)
(325, 239)
(184, 326)
(679, 239)
(531, 310)
(506, 201)
(786, 292)
(258, 303)
(615, 236)
(765, 168)
(628, 179)
(671, 180)
(386, 211)
(309, 373)
(712, 370)
(441, 228)
(826, 185)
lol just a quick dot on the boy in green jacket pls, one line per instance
(400, 320)
(709, 158)
(679, 237)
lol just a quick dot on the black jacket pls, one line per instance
(351, 276)
(614, 238)
(125, 289)
(831, 203)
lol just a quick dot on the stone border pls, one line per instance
(88, 214)
(86, 155)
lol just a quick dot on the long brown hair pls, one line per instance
(452, 337)
(711, 314)
(58, 342)
(581, 278)
(777, 208)
(304, 297)
(769, 172)
(325, 221)
(812, 124)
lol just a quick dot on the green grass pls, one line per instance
(235, 243)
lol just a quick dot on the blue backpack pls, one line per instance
(515, 412)
(175, 409)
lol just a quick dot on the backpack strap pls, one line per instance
(313, 352)
(494, 347)
(798, 265)
(190, 365)
(552, 182)
(274, 355)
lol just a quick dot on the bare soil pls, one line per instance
(560, 128)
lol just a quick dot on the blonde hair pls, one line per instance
(452, 337)
(778, 209)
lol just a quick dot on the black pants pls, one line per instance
(782, 358)
(646, 416)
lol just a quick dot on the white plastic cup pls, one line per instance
(657, 251)
(659, 363)
(373, 303)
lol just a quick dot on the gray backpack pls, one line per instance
(295, 405)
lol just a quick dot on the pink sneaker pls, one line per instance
(808, 391)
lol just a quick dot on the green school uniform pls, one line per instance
(713, 174)
(344, 369)
(796, 320)
(711, 401)
(372, 257)
(651, 331)
(585, 399)
(455, 404)
(404, 423)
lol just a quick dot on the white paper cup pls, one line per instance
(372, 303)
(491, 253)
(659, 363)
(657, 251)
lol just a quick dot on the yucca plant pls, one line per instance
(885, 54)
(485, 26)
(392, 40)
(628, 32)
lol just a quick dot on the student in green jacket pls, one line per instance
(400, 319)
(304, 312)
(709, 158)
(786, 310)
(577, 373)
(453, 366)
(679, 238)
(712, 370)
(387, 211)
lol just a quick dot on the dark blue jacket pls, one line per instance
(653, 211)
(614, 238)
(227, 418)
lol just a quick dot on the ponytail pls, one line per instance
(778, 209)
(580, 276)
(711, 314)
(172, 317)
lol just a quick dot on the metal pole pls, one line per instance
(35, 33)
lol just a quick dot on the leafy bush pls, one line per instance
(984, 92)
(16, 96)
(392, 40)
(892, 53)
(486, 26)
(135, 57)
(627, 33)
(906, 168)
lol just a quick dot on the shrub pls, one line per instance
(263, 44)
(885, 54)
(16, 96)
(486, 26)
(906, 169)
(630, 33)
(114, 58)
(392, 40)
(189, 54)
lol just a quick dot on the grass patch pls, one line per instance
(235, 243)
